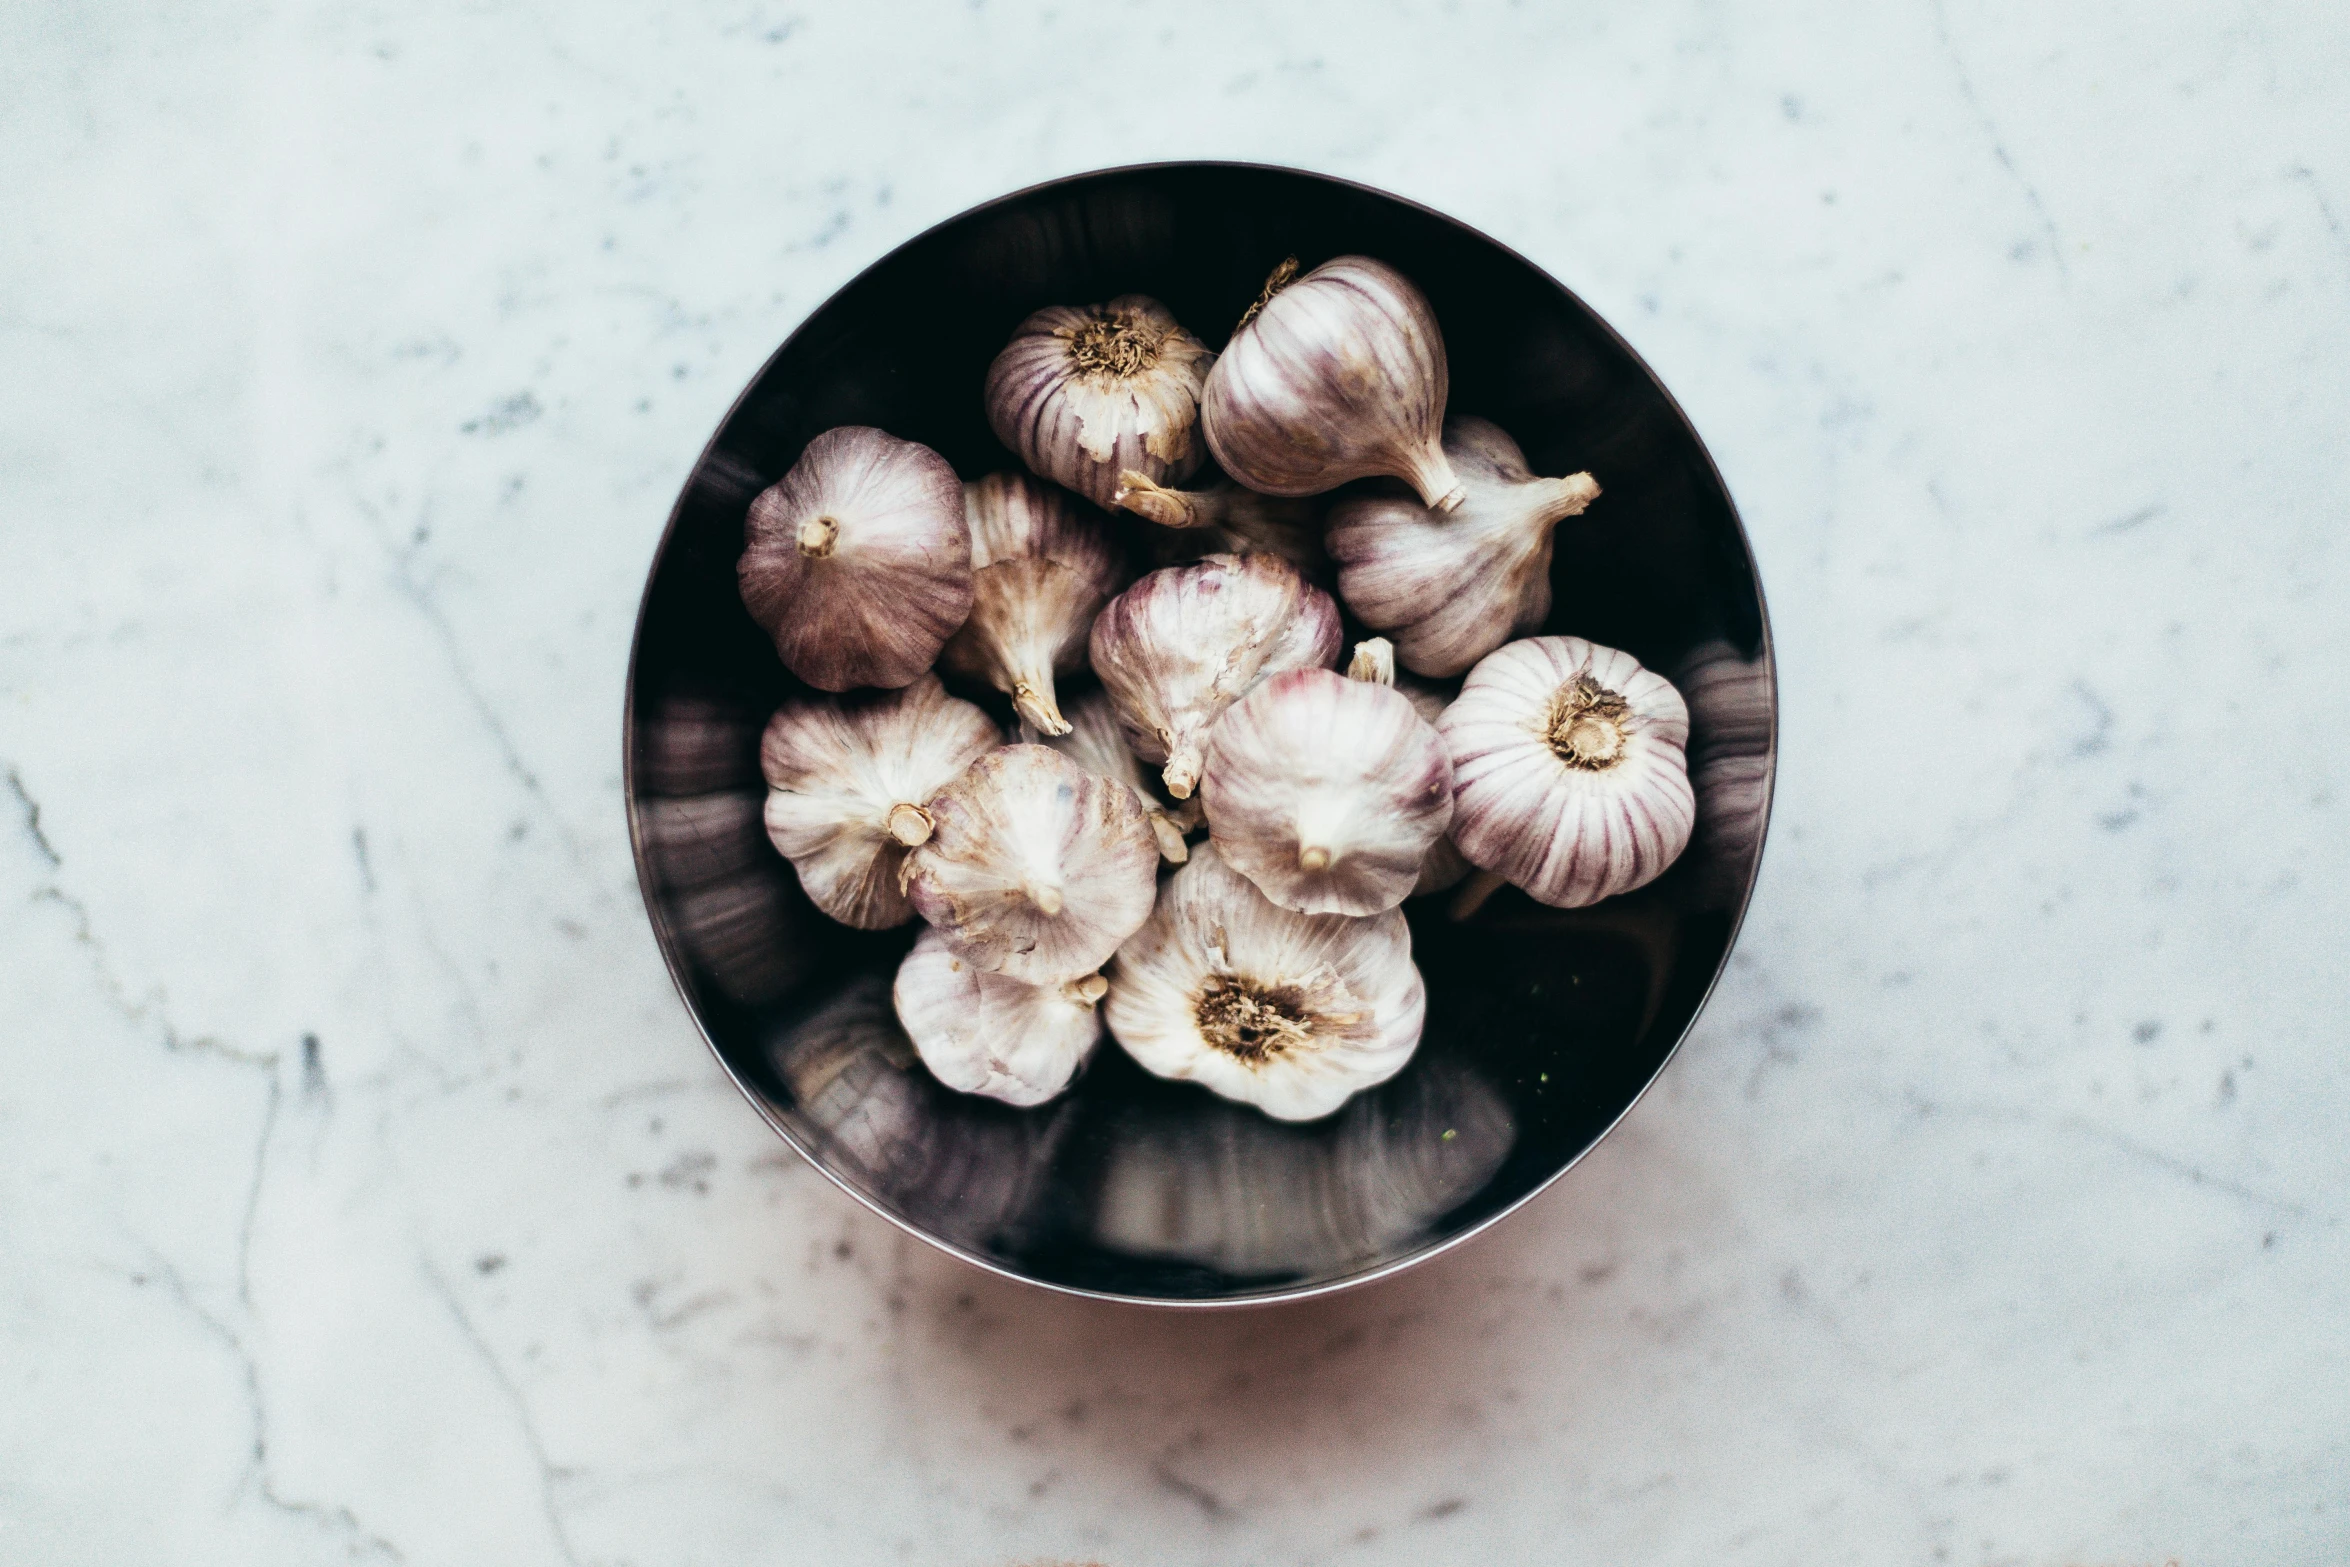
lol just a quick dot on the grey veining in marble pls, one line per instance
(366, 1195)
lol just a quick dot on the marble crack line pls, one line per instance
(550, 1473)
(1966, 89)
(32, 818)
(2186, 1171)
(147, 1010)
(359, 1540)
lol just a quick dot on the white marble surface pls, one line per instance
(1993, 1214)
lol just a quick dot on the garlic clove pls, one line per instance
(986, 1033)
(1327, 792)
(847, 777)
(1043, 572)
(1569, 774)
(1454, 586)
(1034, 868)
(1186, 642)
(1290, 1012)
(1083, 393)
(1094, 743)
(858, 561)
(1226, 519)
(1339, 375)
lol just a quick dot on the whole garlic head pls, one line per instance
(1036, 868)
(1452, 587)
(1183, 644)
(1095, 744)
(1328, 792)
(858, 561)
(847, 778)
(1339, 375)
(1569, 778)
(1085, 392)
(1290, 1012)
(1041, 572)
(983, 1033)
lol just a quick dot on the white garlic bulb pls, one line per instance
(983, 1033)
(1452, 587)
(1094, 743)
(1041, 571)
(1289, 1012)
(1083, 393)
(858, 561)
(848, 778)
(1185, 643)
(1328, 791)
(1035, 868)
(1226, 519)
(1339, 375)
(1569, 778)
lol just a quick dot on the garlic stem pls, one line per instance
(909, 824)
(1090, 989)
(1172, 847)
(1157, 503)
(817, 536)
(1183, 769)
(1431, 474)
(1373, 663)
(1570, 497)
(1481, 885)
(1313, 857)
(1032, 698)
(1045, 896)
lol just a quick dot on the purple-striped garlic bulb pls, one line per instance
(1095, 743)
(991, 1034)
(1452, 587)
(1085, 392)
(1183, 644)
(1041, 571)
(858, 561)
(1036, 868)
(1293, 1013)
(848, 779)
(1328, 790)
(1337, 375)
(1569, 774)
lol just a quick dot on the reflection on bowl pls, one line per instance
(1543, 1024)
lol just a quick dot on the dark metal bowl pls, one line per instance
(1544, 1025)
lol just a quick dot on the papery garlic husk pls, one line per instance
(1085, 392)
(1443, 867)
(1036, 868)
(984, 1033)
(1452, 587)
(1328, 791)
(1185, 643)
(1228, 520)
(858, 561)
(848, 778)
(1095, 742)
(1339, 375)
(1569, 774)
(1290, 1012)
(1041, 572)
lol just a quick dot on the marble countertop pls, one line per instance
(366, 1193)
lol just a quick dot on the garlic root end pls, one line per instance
(1313, 857)
(1045, 896)
(910, 825)
(1172, 848)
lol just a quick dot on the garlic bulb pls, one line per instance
(1226, 519)
(1036, 869)
(1185, 643)
(1094, 743)
(848, 778)
(983, 1033)
(1326, 791)
(1569, 778)
(858, 561)
(1339, 375)
(1085, 392)
(1289, 1012)
(1041, 572)
(1453, 587)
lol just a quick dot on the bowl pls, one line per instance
(1544, 1025)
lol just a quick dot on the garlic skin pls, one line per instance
(1085, 392)
(983, 1033)
(1339, 375)
(1095, 743)
(847, 780)
(1293, 1013)
(1226, 519)
(1453, 587)
(1036, 869)
(1041, 572)
(1184, 643)
(858, 561)
(1443, 867)
(1327, 792)
(1569, 774)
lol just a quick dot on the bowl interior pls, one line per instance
(1543, 1024)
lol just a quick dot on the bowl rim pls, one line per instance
(666, 939)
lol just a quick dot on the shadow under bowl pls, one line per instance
(1544, 1025)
